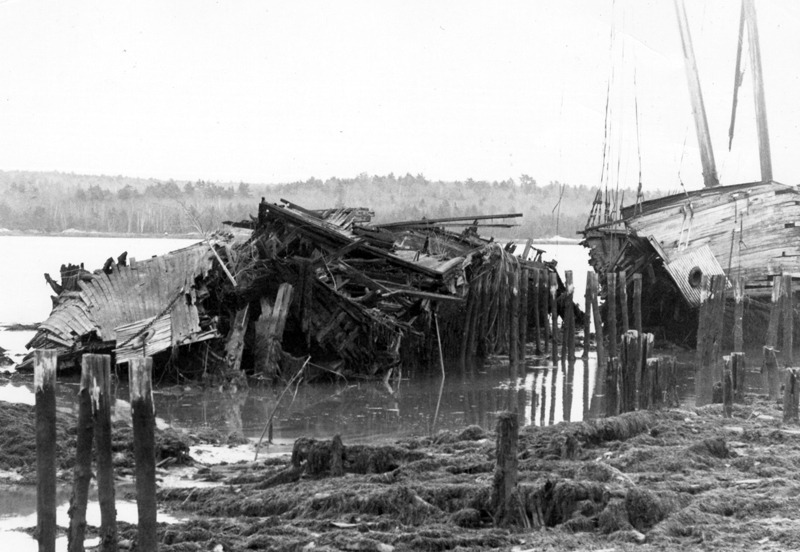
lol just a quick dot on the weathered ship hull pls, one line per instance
(750, 231)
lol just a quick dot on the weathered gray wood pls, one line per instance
(513, 322)
(505, 472)
(637, 303)
(523, 314)
(613, 387)
(738, 314)
(83, 459)
(646, 349)
(788, 320)
(774, 313)
(554, 314)
(623, 300)
(587, 318)
(631, 365)
(709, 337)
(140, 376)
(727, 388)
(101, 404)
(738, 373)
(569, 312)
(234, 344)
(611, 312)
(537, 319)
(337, 456)
(791, 392)
(668, 381)
(769, 372)
(44, 383)
(651, 395)
(598, 323)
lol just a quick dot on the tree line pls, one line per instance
(52, 202)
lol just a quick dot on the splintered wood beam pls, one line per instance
(269, 330)
(235, 342)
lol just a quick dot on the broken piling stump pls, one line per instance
(140, 376)
(505, 472)
(83, 459)
(44, 383)
(769, 372)
(631, 364)
(791, 394)
(554, 314)
(738, 372)
(727, 388)
(101, 399)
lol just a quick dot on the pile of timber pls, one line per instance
(290, 285)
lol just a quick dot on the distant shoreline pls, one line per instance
(89, 234)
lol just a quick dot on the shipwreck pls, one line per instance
(294, 287)
(747, 232)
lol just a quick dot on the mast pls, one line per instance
(696, 94)
(765, 155)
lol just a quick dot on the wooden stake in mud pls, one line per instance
(611, 306)
(101, 406)
(505, 471)
(598, 322)
(769, 372)
(791, 393)
(668, 381)
(623, 300)
(44, 383)
(337, 456)
(569, 312)
(645, 351)
(727, 389)
(631, 363)
(651, 393)
(738, 314)
(709, 336)
(788, 319)
(738, 371)
(537, 319)
(774, 313)
(524, 282)
(144, 423)
(613, 390)
(637, 303)
(554, 314)
(587, 317)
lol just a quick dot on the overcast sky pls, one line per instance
(280, 91)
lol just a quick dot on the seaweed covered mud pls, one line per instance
(687, 479)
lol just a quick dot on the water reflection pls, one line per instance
(421, 405)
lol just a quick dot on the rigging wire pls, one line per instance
(606, 124)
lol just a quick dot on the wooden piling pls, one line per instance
(513, 323)
(102, 399)
(637, 303)
(337, 456)
(44, 383)
(709, 336)
(623, 300)
(554, 314)
(631, 364)
(646, 348)
(143, 415)
(774, 313)
(587, 318)
(545, 291)
(83, 460)
(598, 322)
(769, 372)
(613, 387)
(611, 312)
(788, 320)
(727, 388)
(569, 312)
(524, 283)
(466, 335)
(505, 472)
(738, 314)
(651, 393)
(790, 395)
(537, 330)
(738, 373)
(668, 381)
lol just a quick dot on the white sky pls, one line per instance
(278, 91)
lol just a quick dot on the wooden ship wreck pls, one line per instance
(295, 287)
(749, 231)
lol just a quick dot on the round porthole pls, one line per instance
(695, 277)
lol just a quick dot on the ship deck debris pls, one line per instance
(295, 287)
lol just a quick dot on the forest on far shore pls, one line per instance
(53, 202)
